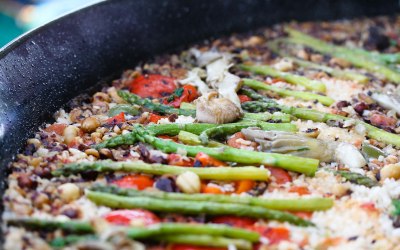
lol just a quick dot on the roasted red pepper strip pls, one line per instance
(120, 118)
(244, 186)
(206, 160)
(127, 216)
(153, 86)
(273, 234)
(134, 181)
(187, 93)
(280, 176)
(244, 98)
(155, 118)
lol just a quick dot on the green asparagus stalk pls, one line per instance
(191, 207)
(257, 97)
(157, 107)
(288, 77)
(226, 129)
(350, 55)
(285, 92)
(297, 204)
(159, 129)
(174, 129)
(293, 163)
(211, 173)
(275, 117)
(206, 240)
(192, 139)
(343, 74)
(317, 116)
(357, 178)
(62, 242)
(162, 229)
(77, 227)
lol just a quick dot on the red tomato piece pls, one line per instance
(155, 118)
(57, 128)
(301, 190)
(178, 160)
(234, 221)
(369, 206)
(281, 176)
(153, 86)
(120, 118)
(187, 93)
(126, 216)
(244, 186)
(244, 98)
(135, 181)
(190, 247)
(273, 234)
(207, 160)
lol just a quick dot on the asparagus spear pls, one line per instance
(191, 207)
(297, 204)
(226, 129)
(206, 240)
(162, 229)
(160, 129)
(62, 242)
(195, 128)
(350, 55)
(157, 107)
(288, 77)
(77, 227)
(276, 117)
(285, 92)
(317, 116)
(293, 163)
(192, 139)
(357, 178)
(343, 74)
(213, 173)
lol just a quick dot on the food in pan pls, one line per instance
(282, 138)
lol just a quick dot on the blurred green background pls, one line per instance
(19, 16)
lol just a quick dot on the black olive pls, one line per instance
(166, 184)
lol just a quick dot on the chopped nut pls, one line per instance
(70, 133)
(35, 142)
(340, 62)
(69, 192)
(390, 171)
(101, 97)
(92, 151)
(90, 124)
(106, 152)
(188, 182)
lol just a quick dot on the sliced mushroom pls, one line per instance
(389, 101)
(211, 109)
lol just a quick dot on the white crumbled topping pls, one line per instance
(331, 133)
(157, 153)
(381, 195)
(62, 117)
(284, 65)
(182, 119)
(341, 89)
(89, 210)
(193, 78)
